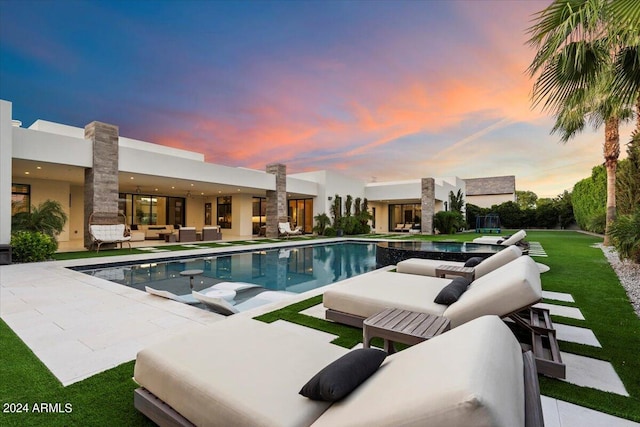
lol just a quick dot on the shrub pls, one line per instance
(32, 246)
(589, 199)
(448, 222)
(322, 222)
(510, 214)
(472, 212)
(547, 215)
(330, 232)
(625, 234)
(49, 217)
(597, 223)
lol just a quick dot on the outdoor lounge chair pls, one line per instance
(187, 234)
(514, 239)
(185, 299)
(427, 267)
(223, 306)
(284, 228)
(473, 375)
(211, 233)
(509, 292)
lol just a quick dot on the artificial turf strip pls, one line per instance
(105, 399)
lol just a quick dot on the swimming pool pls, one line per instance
(291, 270)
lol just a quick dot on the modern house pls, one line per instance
(96, 170)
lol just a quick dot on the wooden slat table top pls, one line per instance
(455, 270)
(399, 322)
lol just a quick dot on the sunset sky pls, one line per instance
(379, 90)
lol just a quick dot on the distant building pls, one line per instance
(96, 170)
(486, 192)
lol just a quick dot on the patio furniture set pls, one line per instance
(464, 365)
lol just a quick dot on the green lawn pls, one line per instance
(576, 268)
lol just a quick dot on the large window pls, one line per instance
(20, 198)
(224, 212)
(405, 214)
(301, 214)
(146, 209)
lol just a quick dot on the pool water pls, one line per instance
(287, 270)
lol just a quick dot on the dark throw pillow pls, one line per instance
(472, 262)
(342, 376)
(450, 293)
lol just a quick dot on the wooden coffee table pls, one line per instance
(168, 237)
(403, 326)
(454, 270)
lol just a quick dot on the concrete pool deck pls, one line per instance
(79, 325)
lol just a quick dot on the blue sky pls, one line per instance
(375, 89)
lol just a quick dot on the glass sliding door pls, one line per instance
(259, 216)
(300, 213)
(224, 212)
(405, 214)
(146, 209)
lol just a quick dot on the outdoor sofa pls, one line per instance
(153, 232)
(242, 372)
(509, 292)
(427, 267)
(514, 239)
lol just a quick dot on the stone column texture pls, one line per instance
(277, 200)
(428, 205)
(101, 181)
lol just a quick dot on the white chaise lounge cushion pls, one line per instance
(495, 261)
(491, 240)
(469, 376)
(500, 292)
(367, 295)
(237, 372)
(427, 267)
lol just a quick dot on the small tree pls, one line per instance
(456, 201)
(48, 217)
(336, 213)
(625, 234)
(347, 205)
(526, 199)
(357, 207)
(322, 222)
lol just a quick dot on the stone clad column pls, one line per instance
(101, 181)
(277, 200)
(428, 205)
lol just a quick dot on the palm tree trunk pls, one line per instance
(611, 154)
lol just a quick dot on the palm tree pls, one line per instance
(48, 217)
(581, 46)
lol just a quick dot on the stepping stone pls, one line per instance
(558, 413)
(594, 373)
(558, 296)
(303, 330)
(536, 249)
(316, 311)
(575, 334)
(147, 248)
(561, 310)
